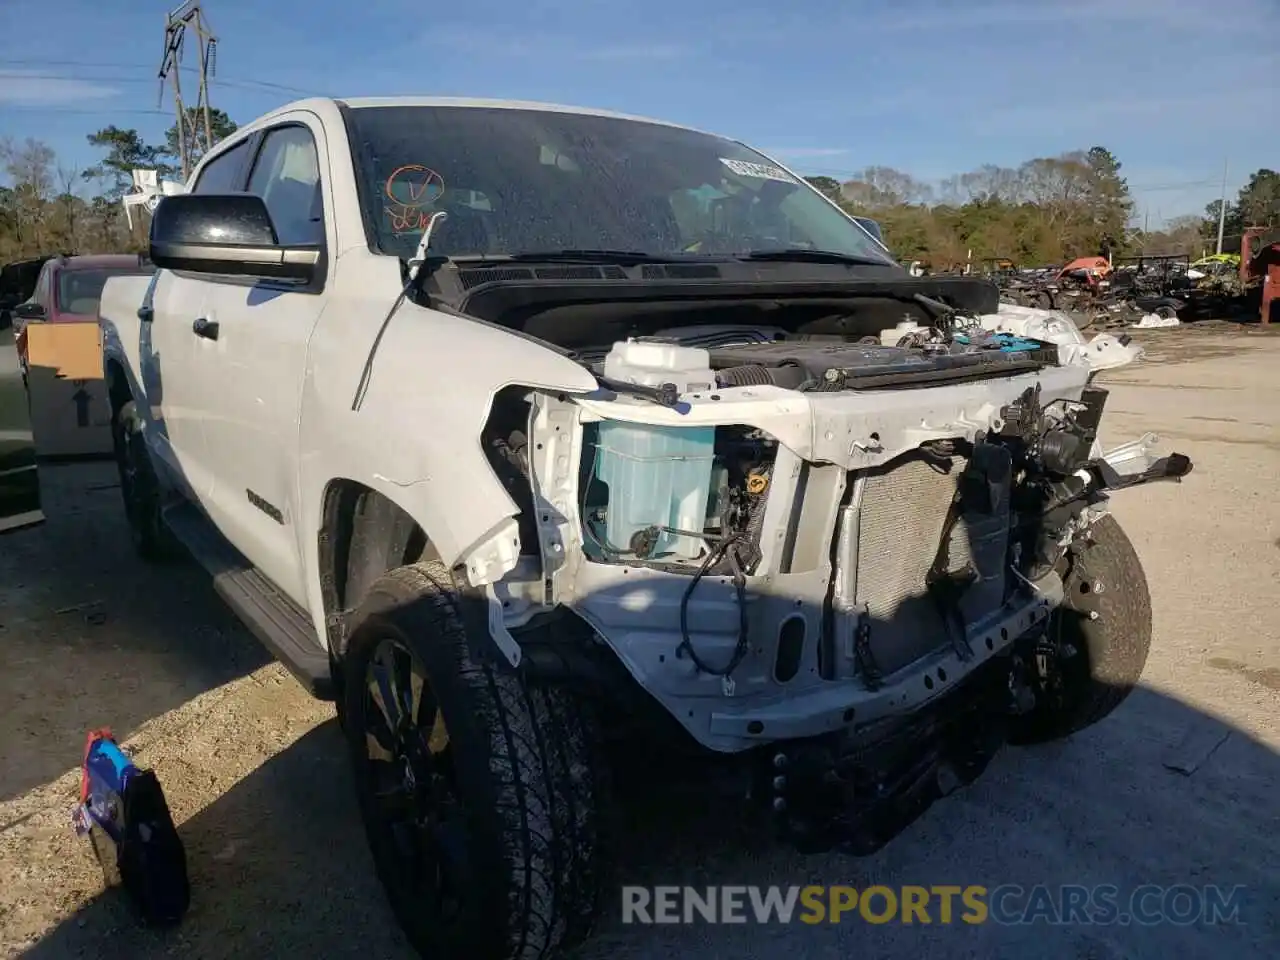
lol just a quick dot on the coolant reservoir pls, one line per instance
(652, 363)
(892, 336)
(659, 480)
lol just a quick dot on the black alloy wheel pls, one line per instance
(416, 815)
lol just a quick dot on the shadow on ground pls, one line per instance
(279, 865)
(77, 605)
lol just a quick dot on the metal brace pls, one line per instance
(502, 637)
(863, 657)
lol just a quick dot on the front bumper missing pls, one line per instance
(841, 705)
(857, 793)
(635, 610)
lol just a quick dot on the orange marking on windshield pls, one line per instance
(411, 189)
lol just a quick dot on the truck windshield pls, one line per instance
(528, 181)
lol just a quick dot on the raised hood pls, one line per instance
(584, 306)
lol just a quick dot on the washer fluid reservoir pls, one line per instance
(659, 477)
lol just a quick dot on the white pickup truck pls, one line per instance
(516, 428)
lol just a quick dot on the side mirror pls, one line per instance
(872, 227)
(29, 311)
(229, 234)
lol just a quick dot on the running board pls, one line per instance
(280, 625)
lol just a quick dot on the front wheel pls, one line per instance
(482, 795)
(1098, 640)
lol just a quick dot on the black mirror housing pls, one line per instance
(872, 227)
(29, 311)
(229, 234)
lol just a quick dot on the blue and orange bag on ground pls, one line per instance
(123, 812)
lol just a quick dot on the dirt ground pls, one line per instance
(254, 772)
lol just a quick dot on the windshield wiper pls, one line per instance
(805, 255)
(582, 256)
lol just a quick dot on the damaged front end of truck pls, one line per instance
(841, 553)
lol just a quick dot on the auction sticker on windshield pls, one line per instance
(765, 171)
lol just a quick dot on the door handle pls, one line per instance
(146, 314)
(205, 328)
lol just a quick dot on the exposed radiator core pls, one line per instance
(902, 518)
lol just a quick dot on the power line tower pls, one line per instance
(188, 16)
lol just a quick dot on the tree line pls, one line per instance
(1047, 210)
(47, 206)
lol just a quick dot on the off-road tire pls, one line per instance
(528, 775)
(139, 486)
(1111, 648)
(1166, 312)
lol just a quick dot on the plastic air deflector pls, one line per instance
(279, 624)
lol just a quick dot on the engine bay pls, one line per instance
(688, 359)
(676, 494)
(678, 498)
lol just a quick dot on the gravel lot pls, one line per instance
(254, 772)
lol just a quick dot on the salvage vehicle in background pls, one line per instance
(19, 480)
(1129, 296)
(67, 290)
(515, 428)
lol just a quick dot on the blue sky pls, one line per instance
(1173, 87)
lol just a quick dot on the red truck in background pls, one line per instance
(1260, 263)
(68, 289)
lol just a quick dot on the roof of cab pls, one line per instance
(323, 104)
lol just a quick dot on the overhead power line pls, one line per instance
(98, 112)
(249, 83)
(1182, 185)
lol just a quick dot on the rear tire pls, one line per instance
(496, 846)
(1106, 621)
(139, 486)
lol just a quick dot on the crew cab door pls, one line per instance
(167, 357)
(167, 402)
(251, 361)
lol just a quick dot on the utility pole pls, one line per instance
(188, 15)
(1222, 206)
